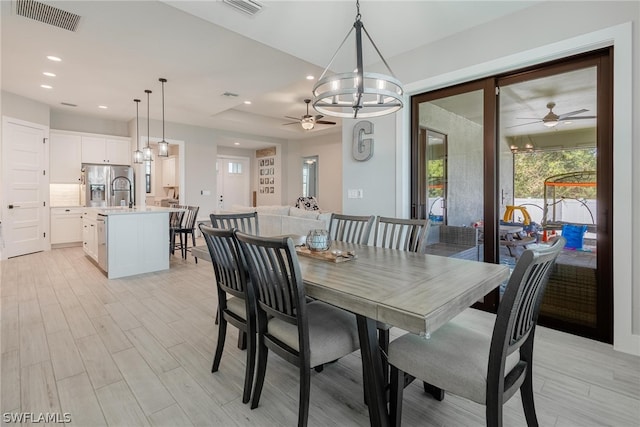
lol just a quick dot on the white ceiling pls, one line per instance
(206, 48)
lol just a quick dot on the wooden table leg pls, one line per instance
(372, 369)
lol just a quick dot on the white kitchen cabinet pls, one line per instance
(169, 175)
(100, 149)
(90, 235)
(66, 225)
(64, 158)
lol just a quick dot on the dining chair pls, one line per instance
(247, 222)
(486, 367)
(236, 303)
(306, 334)
(187, 227)
(402, 234)
(351, 228)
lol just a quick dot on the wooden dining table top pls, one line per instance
(412, 291)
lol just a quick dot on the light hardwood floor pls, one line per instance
(138, 351)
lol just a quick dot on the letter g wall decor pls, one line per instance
(362, 149)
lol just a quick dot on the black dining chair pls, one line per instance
(175, 223)
(306, 334)
(351, 228)
(236, 303)
(402, 234)
(486, 367)
(187, 227)
(247, 222)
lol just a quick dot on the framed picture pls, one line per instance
(271, 181)
(271, 160)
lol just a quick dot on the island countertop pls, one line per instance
(115, 210)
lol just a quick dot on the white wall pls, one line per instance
(510, 43)
(18, 107)
(377, 176)
(328, 148)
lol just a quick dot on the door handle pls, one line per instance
(13, 206)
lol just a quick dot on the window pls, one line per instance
(235, 167)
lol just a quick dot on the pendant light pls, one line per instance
(163, 146)
(137, 155)
(147, 153)
(367, 94)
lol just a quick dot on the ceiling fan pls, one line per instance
(308, 121)
(552, 119)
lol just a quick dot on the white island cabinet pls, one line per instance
(134, 240)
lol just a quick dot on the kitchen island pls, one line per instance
(128, 241)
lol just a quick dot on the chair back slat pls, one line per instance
(226, 259)
(275, 275)
(245, 222)
(351, 228)
(175, 219)
(402, 234)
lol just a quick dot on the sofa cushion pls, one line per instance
(302, 213)
(273, 210)
(326, 218)
(299, 226)
(270, 225)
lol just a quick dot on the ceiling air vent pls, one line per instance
(47, 14)
(250, 7)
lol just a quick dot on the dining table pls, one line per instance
(411, 291)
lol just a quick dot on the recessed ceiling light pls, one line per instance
(53, 58)
(247, 102)
(46, 87)
(236, 143)
(310, 77)
(48, 74)
(104, 107)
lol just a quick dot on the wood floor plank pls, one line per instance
(156, 356)
(170, 417)
(198, 406)
(46, 295)
(112, 336)
(53, 318)
(78, 398)
(122, 316)
(65, 357)
(144, 383)
(98, 362)
(29, 312)
(33, 345)
(78, 320)
(92, 305)
(120, 406)
(10, 384)
(38, 389)
(159, 329)
(9, 323)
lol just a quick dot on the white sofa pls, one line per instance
(280, 220)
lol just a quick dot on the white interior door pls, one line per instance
(24, 162)
(234, 182)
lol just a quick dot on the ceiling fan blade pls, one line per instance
(523, 124)
(292, 123)
(578, 118)
(325, 122)
(318, 117)
(573, 113)
(293, 118)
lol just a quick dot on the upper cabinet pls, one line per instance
(64, 158)
(108, 150)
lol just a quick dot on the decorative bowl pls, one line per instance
(318, 240)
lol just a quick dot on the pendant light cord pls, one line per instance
(148, 93)
(137, 101)
(163, 80)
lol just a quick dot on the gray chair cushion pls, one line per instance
(454, 359)
(237, 306)
(333, 332)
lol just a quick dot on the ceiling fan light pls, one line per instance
(550, 123)
(307, 123)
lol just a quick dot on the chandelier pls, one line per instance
(367, 94)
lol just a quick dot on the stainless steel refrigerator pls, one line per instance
(104, 185)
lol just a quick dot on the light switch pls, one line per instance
(359, 193)
(352, 194)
